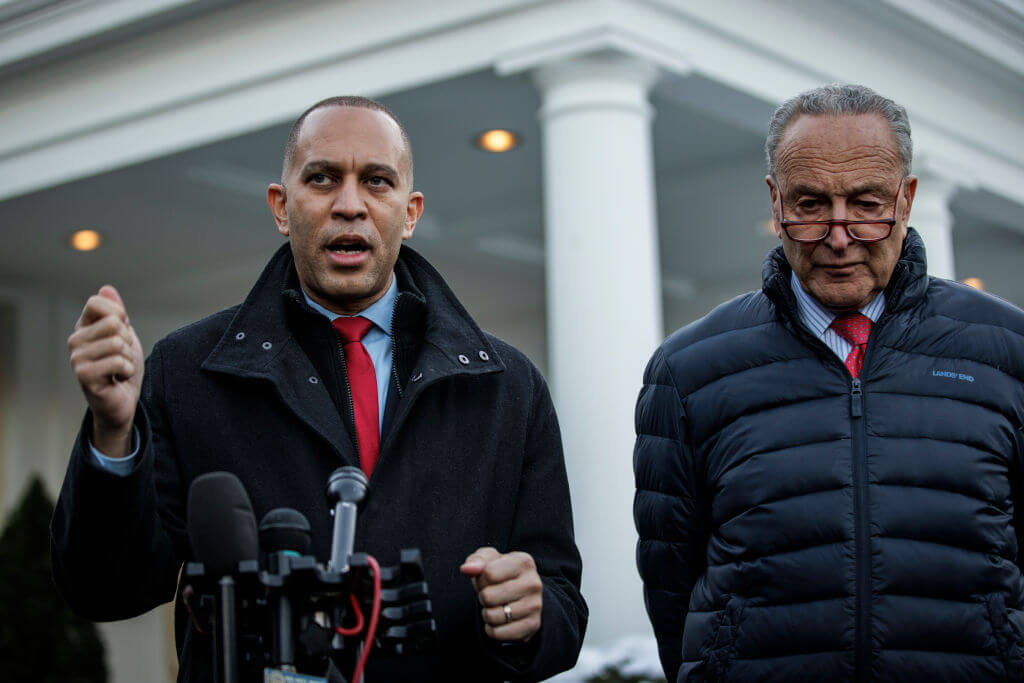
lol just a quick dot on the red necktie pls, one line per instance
(854, 328)
(362, 381)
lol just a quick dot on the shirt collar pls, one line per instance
(818, 318)
(380, 312)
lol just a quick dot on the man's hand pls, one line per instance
(509, 590)
(107, 359)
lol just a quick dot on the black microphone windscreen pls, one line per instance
(285, 529)
(221, 523)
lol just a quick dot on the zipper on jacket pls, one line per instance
(394, 348)
(862, 535)
(856, 409)
(348, 396)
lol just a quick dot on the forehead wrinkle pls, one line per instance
(839, 176)
(846, 159)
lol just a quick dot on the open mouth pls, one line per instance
(348, 245)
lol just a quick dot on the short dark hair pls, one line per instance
(354, 101)
(837, 100)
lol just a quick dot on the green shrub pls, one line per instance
(40, 639)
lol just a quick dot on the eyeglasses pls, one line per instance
(868, 229)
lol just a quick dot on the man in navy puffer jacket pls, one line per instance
(814, 506)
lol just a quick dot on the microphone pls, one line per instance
(222, 531)
(287, 531)
(221, 523)
(346, 487)
(283, 532)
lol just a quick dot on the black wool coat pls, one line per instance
(797, 524)
(470, 456)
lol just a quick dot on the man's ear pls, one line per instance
(773, 194)
(909, 192)
(277, 200)
(413, 211)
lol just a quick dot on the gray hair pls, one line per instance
(837, 100)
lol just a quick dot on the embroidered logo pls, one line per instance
(949, 374)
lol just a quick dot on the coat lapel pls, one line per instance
(258, 345)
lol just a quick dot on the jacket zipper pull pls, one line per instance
(855, 398)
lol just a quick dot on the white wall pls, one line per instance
(41, 410)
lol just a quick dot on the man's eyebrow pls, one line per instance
(872, 188)
(803, 188)
(325, 166)
(320, 166)
(380, 169)
(815, 191)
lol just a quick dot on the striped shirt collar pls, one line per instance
(817, 318)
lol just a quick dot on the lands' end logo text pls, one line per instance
(952, 375)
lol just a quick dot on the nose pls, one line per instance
(348, 201)
(838, 235)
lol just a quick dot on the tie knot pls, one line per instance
(853, 327)
(352, 329)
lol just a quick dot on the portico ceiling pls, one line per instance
(188, 230)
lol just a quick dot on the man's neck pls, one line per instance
(379, 311)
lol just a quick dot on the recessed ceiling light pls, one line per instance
(85, 240)
(497, 140)
(975, 282)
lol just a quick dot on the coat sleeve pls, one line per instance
(544, 528)
(116, 542)
(670, 520)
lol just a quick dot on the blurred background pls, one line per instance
(625, 199)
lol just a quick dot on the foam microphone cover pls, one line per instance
(221, 523)
(285, 529)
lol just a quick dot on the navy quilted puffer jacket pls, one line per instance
(797, 524)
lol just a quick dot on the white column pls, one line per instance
(931, 217)
(604, 307)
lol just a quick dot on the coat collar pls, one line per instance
(434, 336)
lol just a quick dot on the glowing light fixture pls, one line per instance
(975, 282)
(497, 140)
(85, 240)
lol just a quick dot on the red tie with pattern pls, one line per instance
(854, 328)
(362, 381)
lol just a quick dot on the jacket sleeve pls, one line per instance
(544, 528)
(113, 552)
(671, 551)
(1017, 492)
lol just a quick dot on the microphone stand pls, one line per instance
(225, 643)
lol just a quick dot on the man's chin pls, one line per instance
(841, 299)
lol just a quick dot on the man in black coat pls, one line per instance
(829, 470)
(468, 467)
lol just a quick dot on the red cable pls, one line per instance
(374, 615)
(360, 622)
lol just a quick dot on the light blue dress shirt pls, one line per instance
(378, 342)
(818, 319)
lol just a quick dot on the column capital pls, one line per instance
(602, 80)
(603, 65)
